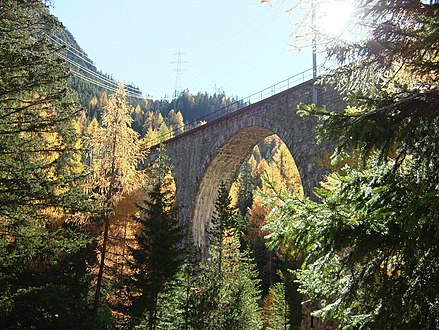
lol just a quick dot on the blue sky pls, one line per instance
(239, 46)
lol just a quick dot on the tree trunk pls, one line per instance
(101, 270)
(107, 225)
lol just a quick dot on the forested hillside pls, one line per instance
(93, 88)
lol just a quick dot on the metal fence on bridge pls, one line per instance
(237, 105)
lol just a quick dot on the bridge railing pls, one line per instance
(235, 106)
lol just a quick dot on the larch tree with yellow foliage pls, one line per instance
(115, 150)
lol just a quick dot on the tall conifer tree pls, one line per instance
(226, 298)
(158, 253)
(372, 239)
(223, 218)
(276, 309)
(115, 149)
(43, 280)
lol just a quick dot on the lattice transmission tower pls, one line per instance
(178, 70)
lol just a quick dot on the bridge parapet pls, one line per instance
(277, 88)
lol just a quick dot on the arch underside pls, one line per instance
(222, 166)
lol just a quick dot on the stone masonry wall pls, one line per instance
(212, 153)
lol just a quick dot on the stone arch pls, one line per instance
(213, 152)
(221, 165)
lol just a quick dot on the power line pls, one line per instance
(87, 79)
(95, 78)
(85, 69)
(71, 49)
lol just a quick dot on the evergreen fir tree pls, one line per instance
(371, 241)
(246, 185)
(43, 274)
(223, 218)
(276, 309)
(225, 293)
(174, 303)
(158, 253)
(226, 299)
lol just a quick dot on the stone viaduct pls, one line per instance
(211, 153)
